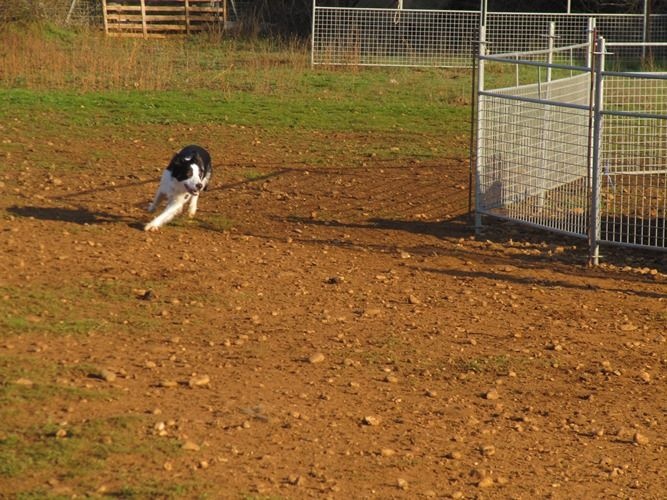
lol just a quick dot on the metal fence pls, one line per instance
(570, 147)
(633, 159)
(447, 38)
(391, 37)
(70, 12)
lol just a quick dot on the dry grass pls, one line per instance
(48, 57)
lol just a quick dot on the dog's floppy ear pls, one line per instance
(196, 158)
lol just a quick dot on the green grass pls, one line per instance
(251, 83)
(486, 364)
(81, 451)
(47, 311)
(75, 309)
(17, 400)
(364, 110)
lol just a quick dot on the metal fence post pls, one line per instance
(590, 38)
(480, 113)
(594, 226)
(312, 36)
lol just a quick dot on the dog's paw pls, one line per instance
(151, 227)
(192, 214)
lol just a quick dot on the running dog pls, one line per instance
(182, 181)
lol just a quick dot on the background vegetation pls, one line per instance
(293, 17)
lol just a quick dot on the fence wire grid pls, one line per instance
(634, 160)
(447, 38)
(390, 37)
(573, 148)
(534, 144)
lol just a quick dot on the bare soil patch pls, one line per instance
(318, 330)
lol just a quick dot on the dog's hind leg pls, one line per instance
(192, 208)
(174, 207)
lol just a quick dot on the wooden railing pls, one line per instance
(159, 18)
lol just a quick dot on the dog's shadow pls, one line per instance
(80, 216)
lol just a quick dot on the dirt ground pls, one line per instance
(328, 331)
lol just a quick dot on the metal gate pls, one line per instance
(573, 148)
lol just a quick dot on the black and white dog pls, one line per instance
(186, 176)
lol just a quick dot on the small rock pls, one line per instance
(107, 375)
(167, 384)
(488, 450)
(454, 455)
(414, 300)
(387, 452)
(296, 480)
(104, 374)
(190, 446)
(199, 381)
(372, 312)
(645, 376)
(24, 381)
(371, 420)
(640, 439)
(492, 395)
(485, 482)
(391, 379)
(402, 483)
(318, 357)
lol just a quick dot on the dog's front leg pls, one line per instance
(174, 207)
(192, 208)
(153, 205)
(162, 190)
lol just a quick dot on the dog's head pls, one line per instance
(188, 168)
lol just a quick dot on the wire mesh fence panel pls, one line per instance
(520, 32)
(446, 38)
(391, 37)
(539, 161)
(634, 160)
(533, 153)
(60, 12)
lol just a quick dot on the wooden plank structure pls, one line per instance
(160, 18)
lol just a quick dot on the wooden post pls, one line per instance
(187, 17)
(104, 17)
(224, 14)
(70, 11)
(143, 19)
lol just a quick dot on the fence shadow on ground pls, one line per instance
(536, 249)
